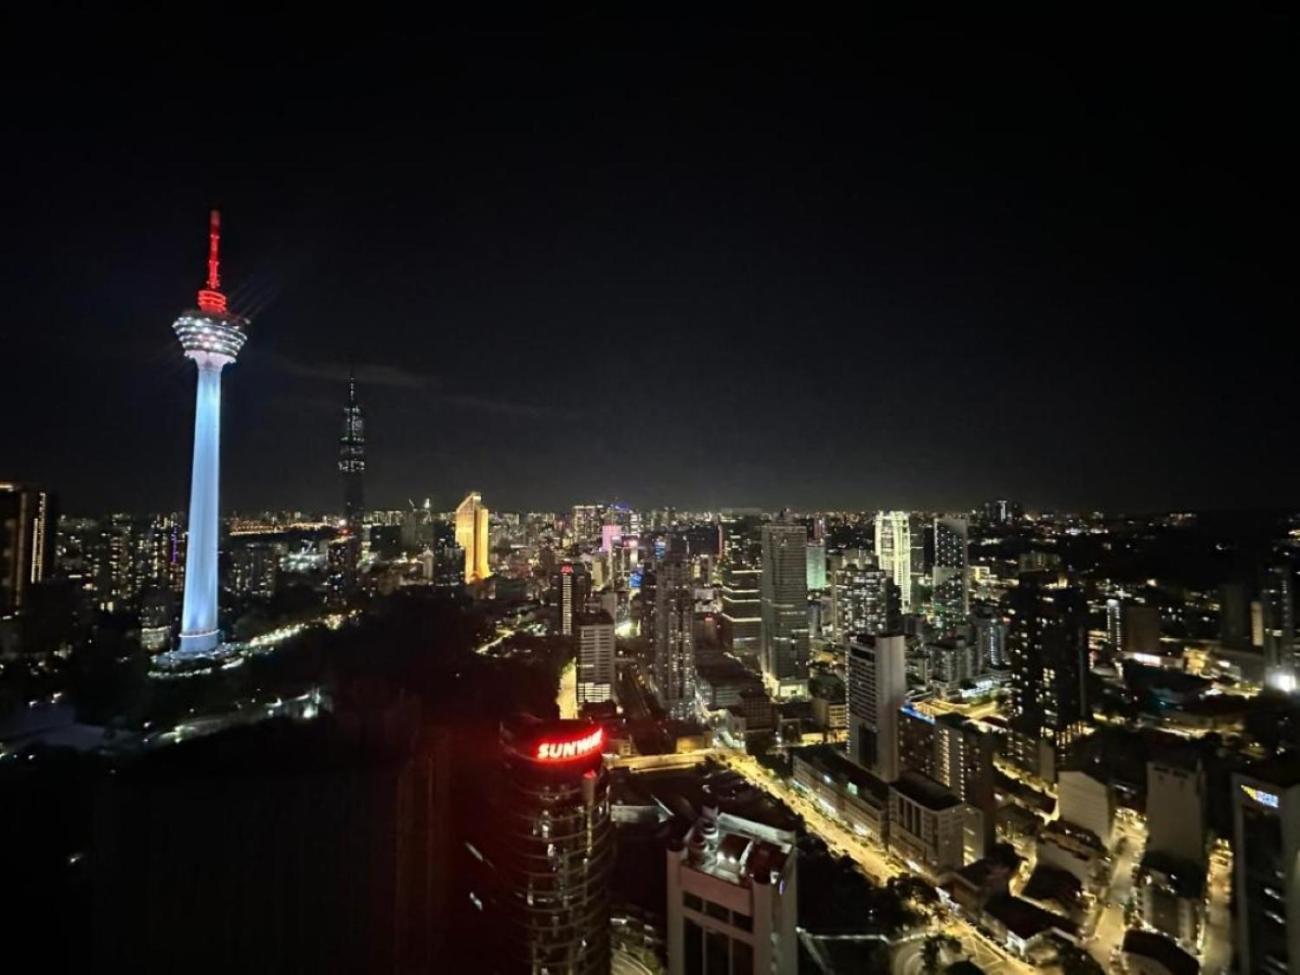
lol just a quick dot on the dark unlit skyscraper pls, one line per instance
(784, 597)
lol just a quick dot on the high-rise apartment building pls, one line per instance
(1047, 642)
(472, 536)
(674, 637)
(877, 671)
(951, 590)
(1277, 618)
(783, 588)
(1266, 860)
(864, 598)
(894, 552)
(572, 585)
(595, 658)
(27, 523)
(991, 638)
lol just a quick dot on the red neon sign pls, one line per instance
(564, 751)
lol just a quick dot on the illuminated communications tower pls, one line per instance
(212, 336)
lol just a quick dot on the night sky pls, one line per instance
(704, 263)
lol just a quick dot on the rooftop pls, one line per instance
(1161, 949)
(1282, 771)
(1024, 919)
(734, 853)
(829, 760)
(925, 791)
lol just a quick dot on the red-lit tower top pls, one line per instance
(210, 297)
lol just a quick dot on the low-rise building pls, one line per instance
(1171, 897)
(844, 790)
(926, 824)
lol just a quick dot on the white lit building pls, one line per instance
(595, 658)
(877, 671)
(732, 900)
(894, 552)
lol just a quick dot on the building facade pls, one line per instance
(732, 900)
(27, 533)
(1266, 859)
(555, 848)
(595, 658)
(472, 536)
(674, 637)
(877, 671)
(894, 552)
(784, 604)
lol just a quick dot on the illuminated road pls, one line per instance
(1216, 952)
(872, 859)
(1108, 936)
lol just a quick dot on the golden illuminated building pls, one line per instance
(472, 536)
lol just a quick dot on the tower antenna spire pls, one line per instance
(210, 296)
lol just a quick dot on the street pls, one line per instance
(872, 860)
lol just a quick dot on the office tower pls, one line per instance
(27, 522)
(1266, 862)
(595, 658)
(894, 552)
(554, 848)
(674, 637)
(951, 592)
(1176, 797)
(572, 586)
(742, 613)
(1047, 642)
(783, 592)
(877, 670)
(352, 456)
(1277, 617)
(732, 899)
(211, 336)
(1115, 624)
(864, 598)
(472, 536)
(816, 566)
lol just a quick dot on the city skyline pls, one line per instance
(956, 285)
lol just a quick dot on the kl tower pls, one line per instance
(212, 336)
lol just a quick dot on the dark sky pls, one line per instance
(816, 263)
